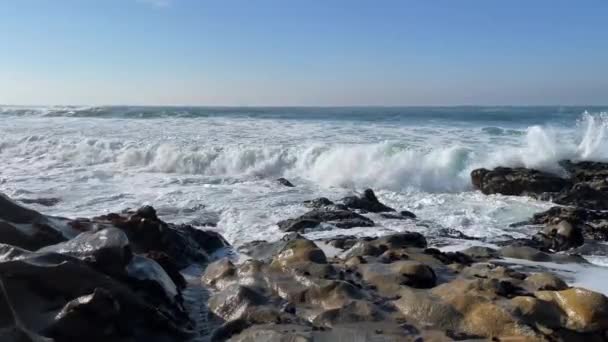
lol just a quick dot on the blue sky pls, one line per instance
(315, 52)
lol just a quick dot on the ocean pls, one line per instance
(217, 166)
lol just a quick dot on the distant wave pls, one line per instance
(388, 165)
(407, 115)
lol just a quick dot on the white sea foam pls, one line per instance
(223, 168)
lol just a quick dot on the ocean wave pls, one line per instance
(386, 165)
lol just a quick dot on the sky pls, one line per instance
(303, 52)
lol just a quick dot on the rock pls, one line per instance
(299, 251)
(387, 278)
(586, 171)
(480, 253)
(26, 228)
(264, 250)
(44, 201)
(297, 225)
(92, 316)
(367, 202)
(107, 250)
(594, 224)
(217, 271)
(234, 301)
(529, 253)
(586, 311)
(318, 203)
(169, 266)
(338, 218)
(183, 243)
(377, 246)
(560, 237)
(285, 182)
(407, 214)
(585, 195)
(517, 181)
(44, 283)
(12, 212)
(147, 273)
(147, 212)
(545, 281)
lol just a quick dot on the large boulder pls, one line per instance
(108, 249)
(26, 228)
(517, 181)
(586, 311)
(48, 293)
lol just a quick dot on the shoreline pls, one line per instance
(393, 287)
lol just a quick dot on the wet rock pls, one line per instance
(12, 212)
(234, 301)
(107, 250)
(585, 195)
(355, 311)
(517, 181)
(560, 237)
(594, 224)
(387, 278)
(544, 281)
(403, 215)
(338, 218)
(34, 283)
(169, 266)
(367, 202)
(285, 182)
(299, 251)
(586, 311)
(183, 243)
(297, 225)
(586, 171)
(377, 246)
(147, 274)
(94, 316)
(217, 271)
(532, 254)
(44, 201)
(318, 203)
(480, 253)
(26, 228)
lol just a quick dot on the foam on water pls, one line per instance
(220, 169)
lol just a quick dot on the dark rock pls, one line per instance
(44, 201)
(517, 181)
(168, 264)
(285, 182)
(147, 212)
(92, 316)
(408, 214)
(454, 234)
(584, 195)
(560, 237)
(318, 203)
(33, 284)
(297, 225)
(107, 250)
(147, 274)
(594, 224)
(338, 218)
(368, 202)
(586, 171)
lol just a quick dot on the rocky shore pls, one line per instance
(130, 276)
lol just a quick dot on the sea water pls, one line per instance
(217, 166)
